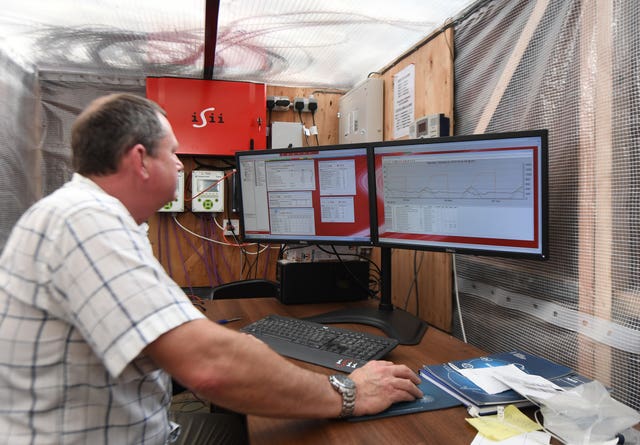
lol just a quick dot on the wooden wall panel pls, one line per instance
(326, 118)
(433, 60)
(193, 261)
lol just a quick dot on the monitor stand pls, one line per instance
(396, 323)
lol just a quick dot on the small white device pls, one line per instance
(431, 126)
(207, 191)
(177, 205)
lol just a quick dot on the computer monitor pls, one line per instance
(481, 194)
(319, 195)
(313, 195)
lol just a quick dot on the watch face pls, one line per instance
(344, 380)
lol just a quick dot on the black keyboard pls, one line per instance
(329, 346)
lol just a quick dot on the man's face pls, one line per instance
(164, 167)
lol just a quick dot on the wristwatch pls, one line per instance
(347, 389)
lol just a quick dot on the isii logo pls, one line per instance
(207, 116)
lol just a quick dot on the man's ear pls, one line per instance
(137, 159)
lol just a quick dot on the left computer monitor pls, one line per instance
(314, 195)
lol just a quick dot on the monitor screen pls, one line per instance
(481, 194)
(315, 195)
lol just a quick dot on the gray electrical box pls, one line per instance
(286, 134)
(360, 113)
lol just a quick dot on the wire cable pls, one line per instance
(306, 136)
(414, 282)
(231, 173)
(457, 295)
(197, 235)
(313, 120)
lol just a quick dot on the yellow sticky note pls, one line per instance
(513, 423)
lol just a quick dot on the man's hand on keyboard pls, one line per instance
(381, 383)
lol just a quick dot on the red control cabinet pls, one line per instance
(212, 117)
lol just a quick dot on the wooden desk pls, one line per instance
(431, 428)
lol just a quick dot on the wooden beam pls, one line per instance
(512, 64)
(212, 8)
(595, 229)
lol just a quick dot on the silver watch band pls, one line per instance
(347, 389)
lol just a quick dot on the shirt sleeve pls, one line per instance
(113, 289)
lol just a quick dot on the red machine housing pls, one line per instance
(212, 117)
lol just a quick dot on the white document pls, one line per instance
(501, 378)
(483, 378)
(532, 438)
(404, 98)
(533, 387)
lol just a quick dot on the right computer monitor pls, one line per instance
(480, 194)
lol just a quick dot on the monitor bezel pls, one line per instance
(309, 240)
(543, 254)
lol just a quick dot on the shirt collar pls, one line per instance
(79, 179)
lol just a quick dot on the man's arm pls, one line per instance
(236, 371)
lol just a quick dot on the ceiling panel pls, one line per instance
(329, 43)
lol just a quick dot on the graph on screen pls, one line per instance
(483, 192)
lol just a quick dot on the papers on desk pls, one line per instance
(483, 386)
(502, 378)
(533, 387)
(506, 424)
(483, 378)
(532, 438)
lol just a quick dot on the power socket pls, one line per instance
(230, 224)
(301, 104)
(278, 103)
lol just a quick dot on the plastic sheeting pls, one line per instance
(569, 66)
(328, 43)
(20, 149)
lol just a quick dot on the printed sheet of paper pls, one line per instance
(497, 379)
(483, 378)
(532, 438)
(500, 427)
(531, 386)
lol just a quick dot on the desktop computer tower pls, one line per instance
(323, 282)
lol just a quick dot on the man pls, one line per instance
(92, 328)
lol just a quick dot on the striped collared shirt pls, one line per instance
(81, 295)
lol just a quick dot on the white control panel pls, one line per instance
(207, 191)
(360, 115)
(431, 126)
(177, 205)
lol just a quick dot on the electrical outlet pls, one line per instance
(230, 224)
(278, 103)
(304, 104)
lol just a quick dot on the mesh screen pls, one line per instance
(36, 116)
(35, 139)
(569, 66)
(64, 96)
(19, 148)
